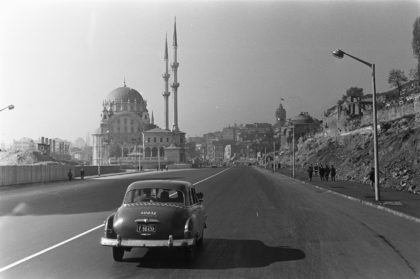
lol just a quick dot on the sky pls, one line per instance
(60, 59)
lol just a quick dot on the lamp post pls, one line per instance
(140, 153)
(293, 146)
(9, 107)
(99, 143)
(340, 54)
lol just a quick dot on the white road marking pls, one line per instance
(78, 236)
(49, 248)
(211, 176)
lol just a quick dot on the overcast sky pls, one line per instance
(60, 59)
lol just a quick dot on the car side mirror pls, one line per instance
(200, 197)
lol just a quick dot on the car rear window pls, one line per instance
(155, 195)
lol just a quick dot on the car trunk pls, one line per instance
(150, 221)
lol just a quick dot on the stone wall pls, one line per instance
(390, 113)
(334, 124)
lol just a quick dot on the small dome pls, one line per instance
(303, 118)
(126, 94)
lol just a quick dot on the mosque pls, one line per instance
(127, 133)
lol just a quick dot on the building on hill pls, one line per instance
(303, 126)
(280, 116)
(230, 133)
(23, 144)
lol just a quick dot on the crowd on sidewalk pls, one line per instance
(324, 172)
(330, 172)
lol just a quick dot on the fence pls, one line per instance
(12, 175)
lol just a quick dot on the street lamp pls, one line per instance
(9, 107)
(99, 143)
(340, 54)
(293, 143)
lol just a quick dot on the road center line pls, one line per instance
(78, 236)
(211, 176)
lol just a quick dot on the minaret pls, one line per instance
(175, 84)
(166, 92)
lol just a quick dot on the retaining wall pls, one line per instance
(23, 174)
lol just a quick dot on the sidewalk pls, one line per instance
(397, 202)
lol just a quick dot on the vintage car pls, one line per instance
(157, 213)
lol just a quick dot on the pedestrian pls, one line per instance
(372, 178)
(82, 173)
(316, 168)
(321, 172)
(166, 167)
(310, 172)
(333, 173)
(70, 174)
(326, 172)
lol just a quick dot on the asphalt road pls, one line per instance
(260, 225)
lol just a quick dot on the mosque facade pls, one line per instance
(127, 133)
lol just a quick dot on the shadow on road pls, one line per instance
(218, 254)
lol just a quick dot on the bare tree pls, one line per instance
(397, 78)
(416, 45)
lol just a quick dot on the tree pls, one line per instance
(397, 78)
(413, 74)
(354, 92)
(416, 45)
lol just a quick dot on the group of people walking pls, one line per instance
(323, 172)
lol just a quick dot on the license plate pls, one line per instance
(146, 228)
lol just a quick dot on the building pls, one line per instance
(303, 126)
(23, 144)
(128, 135)
(124, 117)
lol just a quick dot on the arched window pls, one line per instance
(161, 152)
(154, 152)
(147, 153)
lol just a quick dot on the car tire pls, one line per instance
(201, 239)
(190, 251)
(117, 253)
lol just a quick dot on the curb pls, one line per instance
(366, 203)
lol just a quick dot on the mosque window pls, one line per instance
(167, 139)
(154, 139)
(148, 139)
(161, 139)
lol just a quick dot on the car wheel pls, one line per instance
(189, 253)
(201, 239)
(117, 253)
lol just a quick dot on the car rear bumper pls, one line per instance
(147, 243)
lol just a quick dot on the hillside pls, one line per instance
(352, 154)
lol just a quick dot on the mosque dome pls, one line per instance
(126, 94)
(303, 118)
